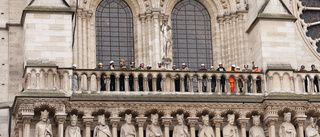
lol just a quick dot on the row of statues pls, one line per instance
(44, 128)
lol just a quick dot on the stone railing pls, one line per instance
(179, 82)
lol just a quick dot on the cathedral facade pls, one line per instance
(75, 68)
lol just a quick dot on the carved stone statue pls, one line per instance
(230, 130)
(43, 127)
(256, 130)
(286, 128)
(73, 130)
(102, 130)
(166, 33)
(154, 130)
(205, 130)
(312, 128)
(180, 130)
(127, 129)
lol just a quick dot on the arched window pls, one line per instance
(191, 34)
(114, 32)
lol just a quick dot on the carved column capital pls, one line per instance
(87, 120)
(27, 119)
(299, 120)
(192, 121)
(217, 121)
(114, 121)
(243, 122)
(140, 121)
(166, 121)
(271, 120)
(60, 119)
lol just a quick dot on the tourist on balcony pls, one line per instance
(141, 67)
(237, 69)
(246, 69)
(213, 80)
(204, 78)
(132, 66)
(258, 82)
(186, 78)
(122, 65)
(223, 79)
(303, 68)
(315, 81)
(111, 66)
(174, 67)
(103, 80)
(184, 67)
(74, 79)
(212, 68)
(149, 78)
(176, 79)
(231, 79)
(160, 66)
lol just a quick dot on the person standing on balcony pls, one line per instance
(122, 65)
(231, 79)
(141, 67)
(213, 80)
(223, 79)
(246, 69)
(132, 66)
(174, 67)
(315, 81)
(204, 78)
(258, 82)
(74, 79)
(186, 78)
(112, 77)
(103, 79)
(303, 69)
(160, 66)
(240, 80)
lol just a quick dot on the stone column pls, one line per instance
(140, 121)
(270, 84)
(55, 84)
(254, 85)
(46, 80)
(299, 121)
(191, 84)
(200, 84)
(192, 121)
(79, 83)
(182, 89)
(281, 83)
(79, 42)
(172, 84)
(209, 84)
(87, 121)
(218, 90)
(89, 83)
(149, 39)
(70, 83)
(60, 119)
(245, 85)
(236, 85)
(26, 125)
(221, 31)
(163, 86)
(217, 121)
(117, 81)
(38, 81)
(126, 83)
(166, 121)
(143, 54)
(145, 83)
(136, 83)
(270, 121)
(98, 84)
(311, 89)
(108, 83)
(292, 84)
(19, 128)
(154, 83)
(114, 122)
(243, 123)
(156, 42)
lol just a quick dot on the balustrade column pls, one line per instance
(254, 86)
(46, 80)
(87, 121)
(70, 83)
(209, 84)
(218, 84)
(228, 86)
(60, 119)
(311, 89)
(172, 84)
(270, 84)
(26, 125)
(292, 84)
(245, 85)
(108, 83)
(166, 121)
(141, 121)
(98, 83)
(154, 83)
(200, 84)
(236, 85)
(28, 81)
(79, 83)
(192, 121)
(145, 83)
(114, 122)
(89, 83)
(126, 83)
(281, 83)
(136, 83)
(182, 88)
(117, 80)
(299, 121)
(38, 81)
(217, 123)
(191, 84)
(163, 86)
(243, 123)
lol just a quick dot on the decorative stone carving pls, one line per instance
(180, 130)
(102, 130)
(286, 128)
(73, 130)
(256, 130)
(205, 130)
(166, 34)
(127, 129)
(154, 130)
(312, 128)
(43, 127)
(230, 130)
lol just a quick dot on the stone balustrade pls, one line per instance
(167, 81)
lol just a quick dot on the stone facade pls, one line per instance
(36, 55)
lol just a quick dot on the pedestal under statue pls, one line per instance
(73, 130)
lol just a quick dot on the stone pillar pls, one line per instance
(311, 89)
(79, 45)
(192, 121)
(26, 125)
(149, 39)
(108, 83)
(79, 83)
(126, 83)
(217, 121)
(143, 54)
(140, 121)
(270, 121)
(182, 89)
(114, 122)
(145, 83)
(166, 121)
(243, 123)
(292, 84)
(46, 80)
(154, 83)
(70, 83)
(221, 31)
(87, 121)
(299, 121)
(98, 84)
(270, 84)
(218, 90)
(209, 84)
(156, 41)
(55, 84)
(38, 81)
(60, 119)
(236, 85)
(136, 83)
(254, 85)
(281, 83)
(89, 83)
(191, 84)
(172, 84)
(245, 85)
(117, 81)
(19, 129)
(163, 86)
(200, 84)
